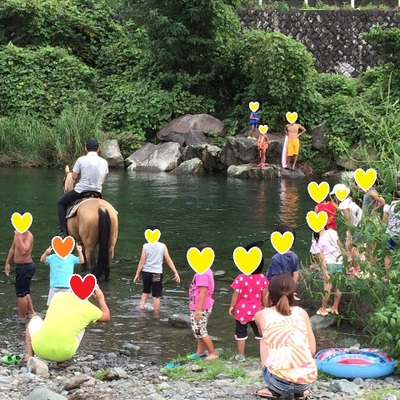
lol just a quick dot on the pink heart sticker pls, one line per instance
(83, 288)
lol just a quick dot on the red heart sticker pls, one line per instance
(63, 247)
(83, 288)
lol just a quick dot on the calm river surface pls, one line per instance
(223, 212)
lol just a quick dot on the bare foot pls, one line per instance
(212, 356)
(26, 357)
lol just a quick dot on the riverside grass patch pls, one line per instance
(211, 369)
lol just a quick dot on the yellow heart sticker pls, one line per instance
(318, 192)
(152, 236)
(21, 223)
(291, 117)
(263, 128)
(282, 243)
(200, 262)
(315, 221)
(247, 261)
(365, 179)
(342, 194)
(254, 106)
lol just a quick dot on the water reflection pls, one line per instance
(289, 201)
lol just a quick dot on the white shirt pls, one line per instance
(393, 223)
(328, 246)
(92, 170)
(154, 257)
(354, 209)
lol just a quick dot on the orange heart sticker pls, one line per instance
(63, 247)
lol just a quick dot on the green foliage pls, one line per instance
(333, 84)
(144, 106)
(28, 141)
(277, 72)
(40, 82)
(81, 25)
(184, 36)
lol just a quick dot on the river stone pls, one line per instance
(162, 157)
(111, 152)
(37, 366)
(319, 139)
(196, 125)
(296, 174)
(75, 382)
(239, 150)
(179, 321)
(130, 349)
(190, 167)
(344, 386)
(44, 394)
(250, 171)
(274, 152)
(207, 153)
(320, 322)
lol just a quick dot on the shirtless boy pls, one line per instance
(21, 253)
(293, 132)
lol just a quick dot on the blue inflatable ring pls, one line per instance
(367, 363)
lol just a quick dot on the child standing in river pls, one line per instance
(247, 299)
(151, 267)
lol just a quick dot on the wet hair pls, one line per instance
(286, 228)
(316, 236)
(281, 292)
(260, 267)
(152, 227)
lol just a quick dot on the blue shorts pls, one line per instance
(281, 386)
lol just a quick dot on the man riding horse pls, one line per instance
(91, 170)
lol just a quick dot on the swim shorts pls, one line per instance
(199, 327)
(23, 276)
(334, 268)
(293, 147)
(241, 330)
(152, 283)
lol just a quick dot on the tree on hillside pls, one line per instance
(185, 35)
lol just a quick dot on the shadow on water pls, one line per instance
(223, 212)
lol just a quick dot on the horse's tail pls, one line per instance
(103, 259)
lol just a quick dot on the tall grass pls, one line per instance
(27, 141)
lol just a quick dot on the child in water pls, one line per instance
(288, 346)
(151, 267)
(247, 300)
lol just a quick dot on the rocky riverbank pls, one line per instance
(119, 377)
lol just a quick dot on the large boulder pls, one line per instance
(239, 150)
(319, 139)
(110, 151)
(275, 148)
(207, 153)
(189, 167)
(251, 172)
(190, 129)
(162, 157)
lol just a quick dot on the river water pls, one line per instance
(224, 212)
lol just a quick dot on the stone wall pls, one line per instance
(332, 36)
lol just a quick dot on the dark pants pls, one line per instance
(62, 205)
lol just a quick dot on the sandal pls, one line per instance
(329, 310)
(267, 393)
(322, 313)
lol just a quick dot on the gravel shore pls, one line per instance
(123, 378)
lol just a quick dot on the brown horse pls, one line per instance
(95, 222)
